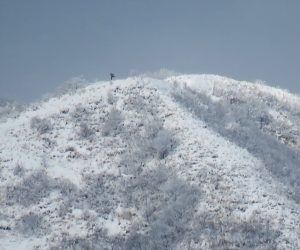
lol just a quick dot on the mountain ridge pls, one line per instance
(187, 162)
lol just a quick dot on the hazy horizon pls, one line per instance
(44, 44)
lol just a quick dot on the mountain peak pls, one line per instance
(186, 162)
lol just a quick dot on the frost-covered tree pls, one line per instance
(113, 124)
(84, 131)
(42, 126)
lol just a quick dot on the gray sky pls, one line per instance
(44, 43)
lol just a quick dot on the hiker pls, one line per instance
(112, 75)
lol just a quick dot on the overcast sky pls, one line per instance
(44, 43)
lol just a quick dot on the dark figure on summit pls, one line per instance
(112, 75)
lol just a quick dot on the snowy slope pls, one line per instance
(189, 162)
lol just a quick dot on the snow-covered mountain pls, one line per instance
(188, 162)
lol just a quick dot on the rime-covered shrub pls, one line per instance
(113, 124)
(33, 188)
(135, 241)
(264, 120)
(30, 190)
(76, 243)
(84, 131)
(231, 234)
(150, 140)
(139, 104)
(96, 195)
(96, 241)
(79, 114)
(167, 206)
(18, 170)
(111, 99)
(152, 126)
(30, 224)
(42, 126)
(162, 143)
(66, 188)
(155, 141)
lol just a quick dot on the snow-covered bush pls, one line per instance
(139, 103)
(235, 234)
(84, 131)
(66, 188)
(97, 194)
(111, 99)
(113, 124)
(30, 224)
(97, 241)
(153, 143)
(162, 143)
(18, 170)
(151, 127)
(31, 190)
(79, 114)
(42, 126)
(167, 206)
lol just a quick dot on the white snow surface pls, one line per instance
(239, 187)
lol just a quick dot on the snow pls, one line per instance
(235, 184)
(243, 175)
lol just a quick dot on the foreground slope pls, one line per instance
(190, 162)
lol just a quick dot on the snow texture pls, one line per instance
(184, 162)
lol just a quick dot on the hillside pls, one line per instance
(187, 162)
